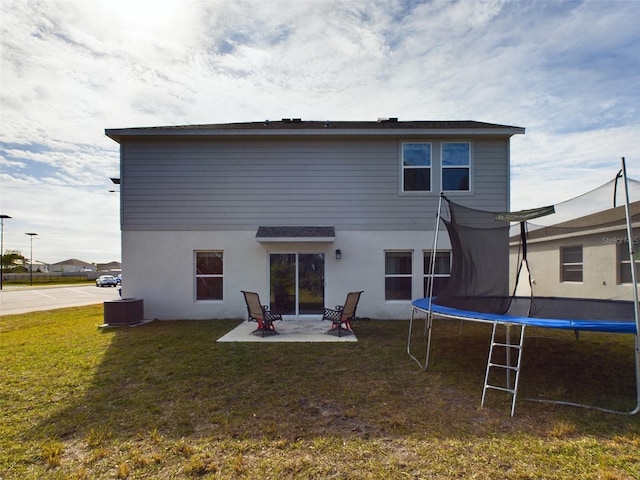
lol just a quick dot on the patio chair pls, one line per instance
(342, 315)
(261, 314)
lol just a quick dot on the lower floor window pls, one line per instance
(397, 275)
(571, 264)
(624, 264)
(441, 272)
(208, 267)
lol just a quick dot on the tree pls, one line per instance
(12, 260)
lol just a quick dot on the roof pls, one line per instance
(612, 217)
(295, 234)
(114, 264)
(74, 261)
(297, 126)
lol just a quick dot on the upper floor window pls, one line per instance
(416, 167)
(441, 273)
(456, 166)
(571, 264)
(209, 275)
(624, 264)
(397, 275)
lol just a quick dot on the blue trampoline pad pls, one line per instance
(611, 325)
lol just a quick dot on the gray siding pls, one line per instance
(353, 184)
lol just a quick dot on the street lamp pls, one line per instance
(2, 217)
(31, 235)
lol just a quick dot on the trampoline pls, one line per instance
(619, 320)
(479, 288)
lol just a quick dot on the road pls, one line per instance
(30, 299)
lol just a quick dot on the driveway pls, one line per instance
(29, 299)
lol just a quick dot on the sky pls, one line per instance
(567, 71)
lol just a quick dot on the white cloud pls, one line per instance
(567, 71)
(549, 168)
(71, 221)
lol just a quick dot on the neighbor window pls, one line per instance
(441, 273)
(209, 275)
(397, 275)
(624, 263)
(416, 167)
(456, 166)
(571, 268)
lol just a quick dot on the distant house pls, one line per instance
(301, 212)
(109, 267)
(36, 265)
(71, 266)
(587, 257)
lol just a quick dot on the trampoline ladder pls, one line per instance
(506, 364)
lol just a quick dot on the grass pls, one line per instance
(165, 401)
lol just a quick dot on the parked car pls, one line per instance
(106, 281)
(119, 279)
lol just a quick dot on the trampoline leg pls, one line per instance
(427, 328)
(430, 329)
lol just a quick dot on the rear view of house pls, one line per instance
(300, 211)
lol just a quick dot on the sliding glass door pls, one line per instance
(296, 282)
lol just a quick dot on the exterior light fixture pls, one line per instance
(338, 254)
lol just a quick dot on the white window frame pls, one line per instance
(564, 265)
(196, 275)
(444, 168)
(624, 261)
(404, 168)
(398, 275)
(426, 273)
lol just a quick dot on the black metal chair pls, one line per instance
(261, 314)
(342, 315)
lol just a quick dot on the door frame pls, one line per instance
(297, 252)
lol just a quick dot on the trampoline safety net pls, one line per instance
(480, 242)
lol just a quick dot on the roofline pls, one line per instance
(299, 128)
(514, 240)
(331, 239)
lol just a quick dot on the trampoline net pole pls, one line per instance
(432, 271)
(634, 282)
(429, 314)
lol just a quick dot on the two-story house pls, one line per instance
(301, 212)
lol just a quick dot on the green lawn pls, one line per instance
(165, 401)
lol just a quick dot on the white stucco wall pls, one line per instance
(159, 268)
(600, 267)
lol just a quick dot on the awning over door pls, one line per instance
(296, 234)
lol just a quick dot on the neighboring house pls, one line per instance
(301, 212)
(587, 257)
(109, 267)
(72, 265)
(36, 265)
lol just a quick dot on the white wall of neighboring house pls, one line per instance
(601, 278)
(71, 268)
(36, 266)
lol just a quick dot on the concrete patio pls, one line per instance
(296, 330)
